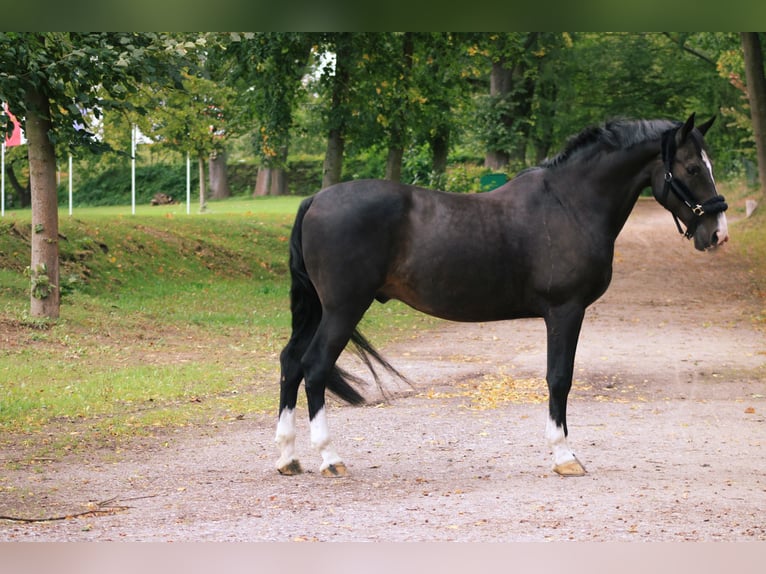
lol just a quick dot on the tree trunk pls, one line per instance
(22, 193)
(500, 82)
(394, 164)
(756, 93)
(44, 268)
(333, 159)
(524, 91)
(202, 198)
(398, 130)
(439, 154)
(547, 94)
(270, 181)
(512, 88)
(262, 182)
(219, 176)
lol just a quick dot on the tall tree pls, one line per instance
(268, 68)
(397, 126)
(191, 117)
(48, 79)
(507, 110)
(341, 44)
(756, 91)
(442, 79)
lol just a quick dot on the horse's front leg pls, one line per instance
(563, 325)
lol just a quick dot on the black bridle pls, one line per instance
(715, 204)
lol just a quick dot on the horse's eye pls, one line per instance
(693, 170)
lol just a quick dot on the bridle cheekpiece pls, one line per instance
(716, 204)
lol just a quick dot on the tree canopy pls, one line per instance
(54, 82)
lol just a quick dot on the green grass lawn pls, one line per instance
(285, 206)
(167, 320)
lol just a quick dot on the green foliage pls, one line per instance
(604, 75)
(268, 68)
(367, 163)
(84, 75)
(195, 117)
(278, 88)
(40, 282)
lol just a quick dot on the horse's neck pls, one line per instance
(619, 178)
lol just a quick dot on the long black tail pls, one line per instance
(306, 312)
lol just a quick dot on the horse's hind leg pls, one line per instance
(563, 325)
(331, 337)
(292, 373)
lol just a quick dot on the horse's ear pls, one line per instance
(706, 126)
(685, 130)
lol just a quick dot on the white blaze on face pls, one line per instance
(723, 228)
(708, 165)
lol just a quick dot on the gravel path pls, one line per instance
(667, 413)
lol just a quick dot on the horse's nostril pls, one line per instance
(719, 238)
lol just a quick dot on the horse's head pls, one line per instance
(685, 185)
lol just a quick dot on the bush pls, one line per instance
(112, 186)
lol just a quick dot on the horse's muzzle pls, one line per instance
(719, 236)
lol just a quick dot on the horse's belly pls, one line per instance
(479, 293)
(465, 304)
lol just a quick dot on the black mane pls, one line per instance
(613, 135)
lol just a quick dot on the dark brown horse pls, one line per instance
(539, 246)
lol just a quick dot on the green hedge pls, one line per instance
(112, 186)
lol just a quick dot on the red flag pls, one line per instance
(15, 137)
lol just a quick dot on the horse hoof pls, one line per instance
(570, 468)
(335, 470)
(291, 468)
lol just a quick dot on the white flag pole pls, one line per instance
(2, 185)
(70, 185)
(188, 184)
(133, 170)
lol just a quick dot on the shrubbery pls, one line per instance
(111, 185)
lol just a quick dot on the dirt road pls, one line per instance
(668, 415)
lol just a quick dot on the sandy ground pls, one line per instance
(668, 415)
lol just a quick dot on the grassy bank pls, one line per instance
(167, 320)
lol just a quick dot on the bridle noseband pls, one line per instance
(716, 204)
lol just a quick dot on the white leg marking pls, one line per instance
(320, 439)
(558, 443)
(286, 437)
